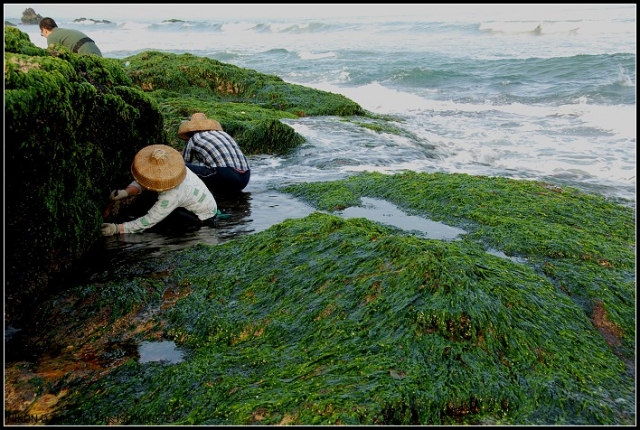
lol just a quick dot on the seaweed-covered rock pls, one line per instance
(256, 129)
(200, 76)
(94, 21)
(17, 42)
(72, 126)
(247, 103)
(327, 321)
(584, 243)
(74, 123)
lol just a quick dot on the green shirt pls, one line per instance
(69, 37)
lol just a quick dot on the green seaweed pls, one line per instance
(257, 130)
(208, 78)
(72, 126)
(75, 122)
(19, 42)
(248, 104)
(584, 243)
(324, 321)
(313, 321)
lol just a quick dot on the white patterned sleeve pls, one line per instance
(167, 202)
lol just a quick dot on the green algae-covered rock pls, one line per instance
(72, 126)
(583, 243)
(210, 78)
(18, 42)
(325, 321)
(257, 130)
(74, 123)
(248, 104)
(313, 321)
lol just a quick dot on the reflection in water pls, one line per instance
(244, 213)
(503, 255)
(386, 213)
(159, 351)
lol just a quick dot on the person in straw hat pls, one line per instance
(214, 155)
(161, 168)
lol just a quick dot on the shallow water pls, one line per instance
(386, 213)
(165, 351)
(249, 212)
(321, 158)
(253, 211)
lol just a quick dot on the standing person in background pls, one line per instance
(75, 40)
(213, 155)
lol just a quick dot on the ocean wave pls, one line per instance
(133, 25)
(313, 56)
(569, 28)
(529, 98)
(298, 28)
(511, 28)
(175, 26)
(607, 78)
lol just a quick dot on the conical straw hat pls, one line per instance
(198, 122)
(158, 167)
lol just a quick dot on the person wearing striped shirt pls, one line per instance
(214, 155)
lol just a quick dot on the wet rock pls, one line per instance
(95, 21)
(30, 17)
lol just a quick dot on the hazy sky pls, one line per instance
(195, 11)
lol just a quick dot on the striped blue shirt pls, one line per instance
(214, 148)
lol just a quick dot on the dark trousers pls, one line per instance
(222, 179)
(181, 220)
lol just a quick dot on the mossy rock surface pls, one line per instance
(208, 78)
(256, 130)
(583, 243)
(73, 123)
(324, 321)
(249, 105)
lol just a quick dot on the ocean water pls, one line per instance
(547, 98)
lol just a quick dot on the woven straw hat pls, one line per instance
(198, 122)
(158, 167)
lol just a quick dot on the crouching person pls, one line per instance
(214, 155)
(161, 168)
